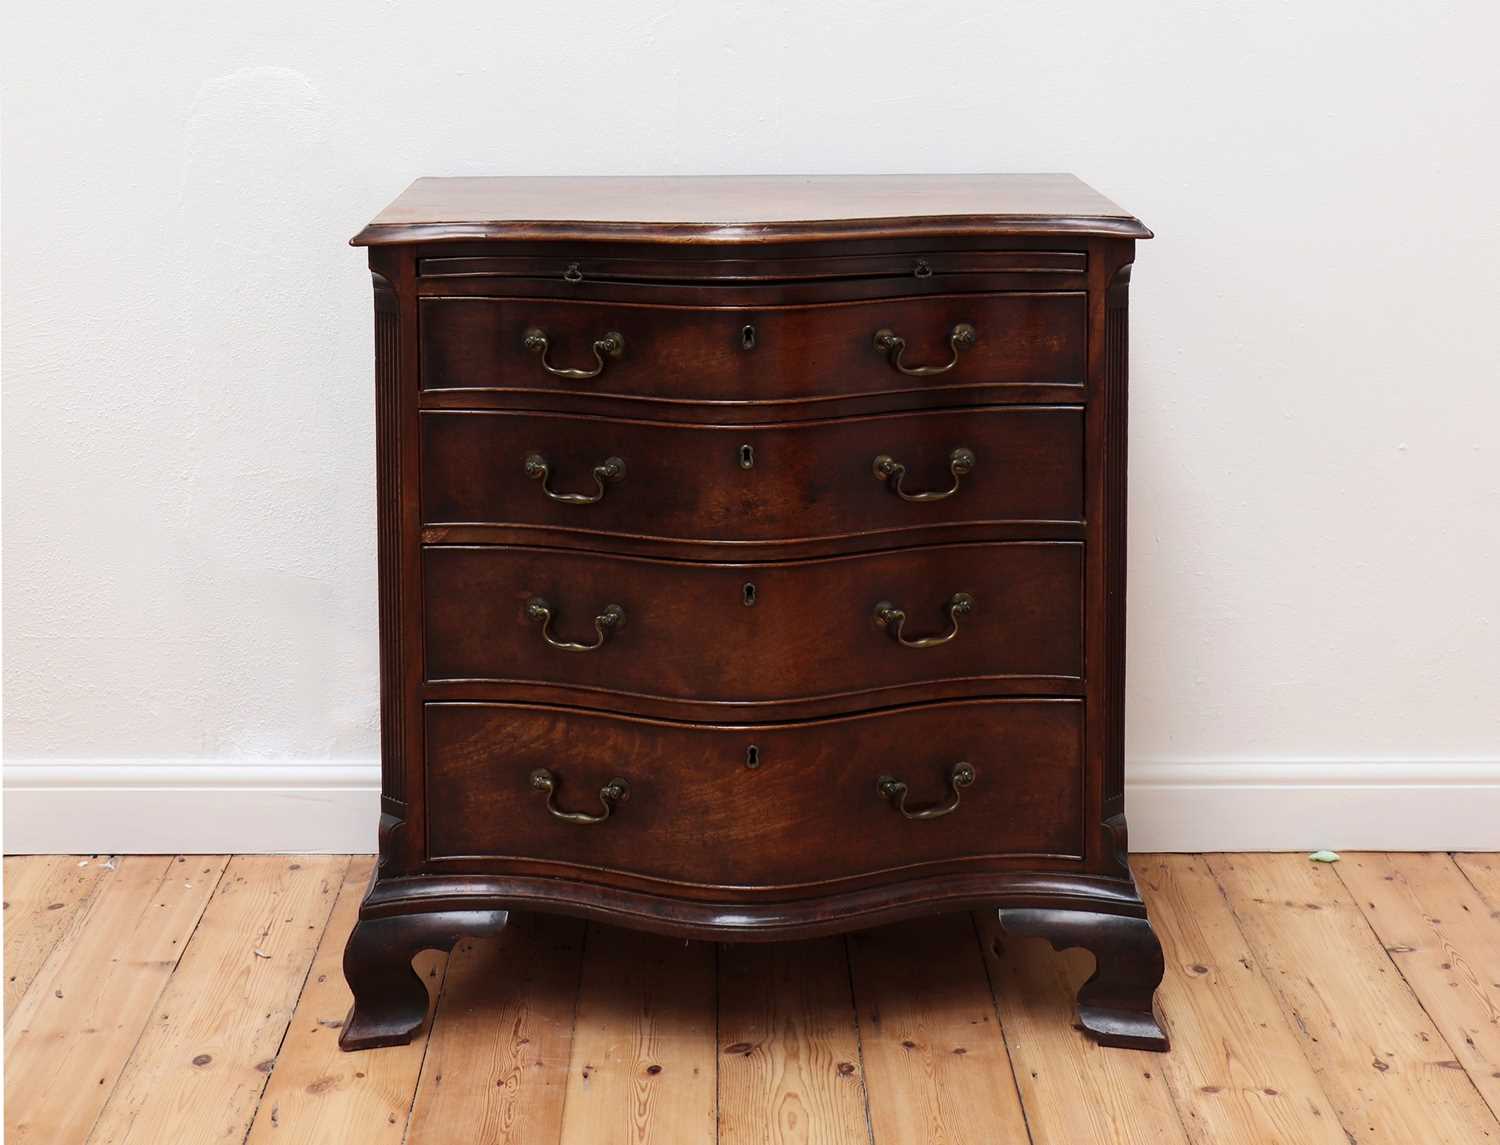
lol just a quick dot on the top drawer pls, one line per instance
(746, 354)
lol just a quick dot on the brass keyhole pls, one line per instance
(748, 594)
(747, 457)
(752, 757)
(747, 337)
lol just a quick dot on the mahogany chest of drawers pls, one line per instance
(752, 566)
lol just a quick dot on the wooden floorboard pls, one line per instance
(1236, 1071)
(317, 1093)
(642, 1067)
(497, 1059)
(935, 1062)
(78, 1029)
(43, 896)
(789, 1060)
(199, 999)
(203, 1062)
(1445, 939)
(1383, 1063)
(1071, 1089)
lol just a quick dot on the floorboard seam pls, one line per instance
(583, 958)
(1412, 990)
(80, 915)
(859, 1040)
(166, 982)
(297, 1001)
(1453, 858)
(1288, 1013)
(441, 988)
(989, 982)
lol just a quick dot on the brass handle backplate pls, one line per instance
(612, 469)
(892, 345)
(893, 620)
(888, 469)
(540, 611)
(961, 775)
(612, 345)
(615, 791)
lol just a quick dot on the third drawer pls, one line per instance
(759, 635)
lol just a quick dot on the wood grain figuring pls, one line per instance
(642, 1066)
(1445, 938)
(790, 1039)
(317, 1093)
(770, 430)
(1382, 1062)
(76, 1029)
(935, 1061)
(202, 1063)
(688, 636)
(690, 481)
(1072, 1089)
(696, 814)
(789, 1056)
(744, 208)
(1483, 870)
(807, 354)
(497, 1062)
(43, 897)
(1236, 1070)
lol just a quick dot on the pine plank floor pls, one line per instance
(198, 999)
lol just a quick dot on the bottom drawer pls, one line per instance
(767, 806)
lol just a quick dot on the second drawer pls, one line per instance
(753, 484)
(957, 619)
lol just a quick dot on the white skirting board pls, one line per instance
(218, 806)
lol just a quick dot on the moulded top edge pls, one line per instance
(745, 209)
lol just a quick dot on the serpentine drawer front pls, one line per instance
(804, 809)
(752, 559)
(739, 354)
(898, 476)
(727, 634)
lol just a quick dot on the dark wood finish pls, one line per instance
(811, 634)
(680, 354)
(799, 813)
(749, 590)
(390, 998)
(935, 267)
(747, 209)
(1116, 1005)
(807, 481)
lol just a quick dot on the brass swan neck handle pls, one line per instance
(612, 345)
(615, 791)
(893, 620)
(611, 469)
(960, 775)
(893, 346)
(960, 463)
(611, 618)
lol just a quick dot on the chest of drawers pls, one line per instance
(752, 566)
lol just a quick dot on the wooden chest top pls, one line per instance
(745, 208)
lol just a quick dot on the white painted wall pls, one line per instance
(188, 460)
